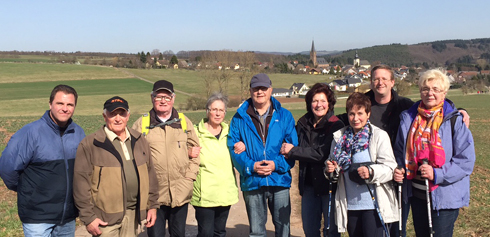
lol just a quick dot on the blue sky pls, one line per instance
(281, 26)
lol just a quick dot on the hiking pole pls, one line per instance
(399, 184)
(375, 203)
(429, 210)
(329, 201)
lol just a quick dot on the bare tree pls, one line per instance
(155, 52)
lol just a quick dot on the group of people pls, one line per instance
(122, 178)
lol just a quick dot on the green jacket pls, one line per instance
(216, 183)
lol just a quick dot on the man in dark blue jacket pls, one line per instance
(260, 126)
(38, 164)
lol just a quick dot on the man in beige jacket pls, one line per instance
(174, 150)
(114, 181)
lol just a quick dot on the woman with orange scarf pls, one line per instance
(429, 147)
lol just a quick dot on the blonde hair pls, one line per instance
(437, 75)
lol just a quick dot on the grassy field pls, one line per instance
(23, 100)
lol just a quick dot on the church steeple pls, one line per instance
(357, 61)
(313, 54)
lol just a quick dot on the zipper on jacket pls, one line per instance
(67, 179)
(100, 175)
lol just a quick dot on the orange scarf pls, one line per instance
(424, 142)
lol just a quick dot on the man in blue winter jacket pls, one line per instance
(38, 164)
(257, 132)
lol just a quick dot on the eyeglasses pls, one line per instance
(381, 79)
(435, 90)
(216, 110)
(261, 88)
(166, 98)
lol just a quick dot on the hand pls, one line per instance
(363, 172)
(285, 148)
(193, 151)
(151, 217)
(239, 147)
(398, 175)
(426, 172)
(93, 227)
(264, 167)
(466, 118)
(331, 166)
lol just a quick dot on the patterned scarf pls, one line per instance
(424, 142)
(350, 144)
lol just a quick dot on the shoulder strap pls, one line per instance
(183, 122)
(453, 122)
(145, 124)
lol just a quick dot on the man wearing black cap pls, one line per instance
(175, 152)
(260, 126)
(115, 186)
(38, 164)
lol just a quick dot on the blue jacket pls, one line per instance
(281, 129)
(453, 177)
(38, 164)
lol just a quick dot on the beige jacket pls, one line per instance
(384, 164)
(175, 171)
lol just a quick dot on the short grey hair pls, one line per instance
(217, 96)
(438, 75)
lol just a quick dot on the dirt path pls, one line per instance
(237, 224)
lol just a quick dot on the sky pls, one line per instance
(267, 25)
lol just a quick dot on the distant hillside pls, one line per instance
(434, 53)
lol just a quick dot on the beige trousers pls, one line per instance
(127, 227)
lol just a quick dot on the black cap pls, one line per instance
(163, 85)
(259, 80)
(116, 102)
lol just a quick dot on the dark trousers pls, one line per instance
(211, 221)
(176, 217)
(364, 223)
(442, 220)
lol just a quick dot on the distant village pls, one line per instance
(357, 74)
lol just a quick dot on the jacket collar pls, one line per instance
(201, 129)
(49, 121)
(448, 109)
(154, 120)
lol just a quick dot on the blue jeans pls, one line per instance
(176, 217)
(442, 220)
(211, 221)
(49, 230)
(256, 202)
(313, 207)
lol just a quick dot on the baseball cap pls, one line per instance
(259, 80)
(163, 85)
(116, 102)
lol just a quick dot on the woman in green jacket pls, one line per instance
(215, 188)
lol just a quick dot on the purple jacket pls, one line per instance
(453, 177)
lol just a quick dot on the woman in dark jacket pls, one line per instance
(315, 131)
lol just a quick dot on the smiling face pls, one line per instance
(261, 95)
(160, 103)
(216, 112)
(432, 93)
(381, 82)
(62, 108)
(358, 117)
(319, 105)
(116, 121)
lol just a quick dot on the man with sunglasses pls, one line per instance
(257, 132)
(175, 153)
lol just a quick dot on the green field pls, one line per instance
(25, 88)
